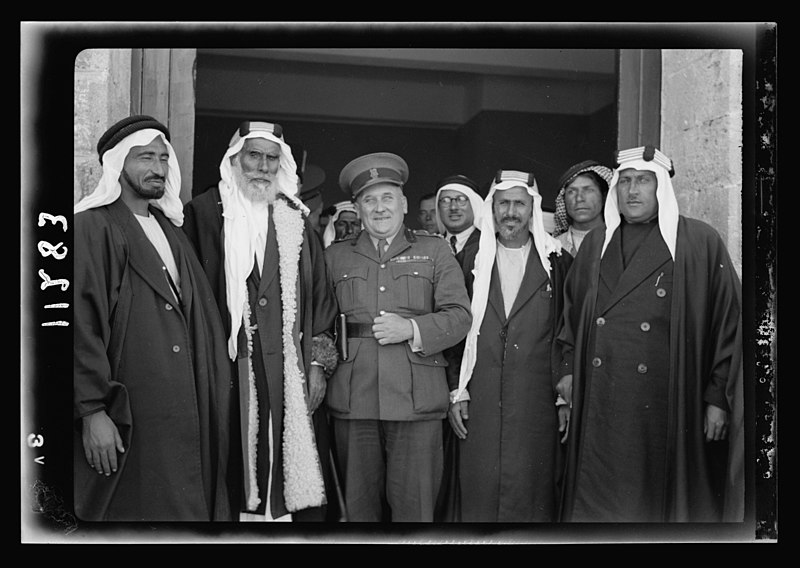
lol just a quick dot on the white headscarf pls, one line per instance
(329, 235)
(475, 201)
(668, 212)
(109, 189)
(484, 260)
(238, 227)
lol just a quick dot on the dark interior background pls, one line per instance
(443, 112)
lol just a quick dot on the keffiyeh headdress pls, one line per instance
(238, 225)
(651, 159)
(329, 235)
(560, 216)
(484, 260)
(114, 147)
(468, 188)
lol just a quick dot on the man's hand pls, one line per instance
(391, 328)
(101, 442)
(564, 388)
(564, 412)
(459, 411)
(716, 424)
(316, 388)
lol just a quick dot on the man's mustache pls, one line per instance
(508, 218)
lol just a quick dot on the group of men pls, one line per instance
(232, 364)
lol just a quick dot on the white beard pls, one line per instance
(255, 191)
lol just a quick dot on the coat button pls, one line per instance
(596, 362)
(642, 368)
(382, 312)
(601, 321)
(661, 292)
(176, 348)
(262, 302)
(645, 326)
(168, 307)
(383, 265)
(382, 288)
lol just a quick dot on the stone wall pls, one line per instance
(102, 97)
(701, 130)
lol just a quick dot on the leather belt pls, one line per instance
(359, 330)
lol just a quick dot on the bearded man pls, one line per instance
(507, 421)
(265, 263)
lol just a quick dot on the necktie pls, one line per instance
(381, 247)
(453, 243)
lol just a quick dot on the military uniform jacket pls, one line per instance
(418, 278)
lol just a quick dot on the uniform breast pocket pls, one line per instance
(413, 286)
(351, 286)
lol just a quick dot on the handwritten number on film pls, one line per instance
(59, 252)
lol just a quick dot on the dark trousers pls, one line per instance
(390, 470)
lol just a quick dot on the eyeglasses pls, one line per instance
(462, 200)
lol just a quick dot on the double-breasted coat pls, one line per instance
(649, 346)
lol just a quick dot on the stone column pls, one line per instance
(102, 97)
(701, 130)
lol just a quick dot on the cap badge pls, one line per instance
(373, 173)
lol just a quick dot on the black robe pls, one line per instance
(157, 366)
(702, 364)
(317, 310)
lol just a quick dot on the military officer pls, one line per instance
(403, 296)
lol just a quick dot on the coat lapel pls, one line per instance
(269, 272)
(496, 294)
(652, 254)
(143, 256)
(611, 265)
(534, 278)
(180, 258)
(363, 246)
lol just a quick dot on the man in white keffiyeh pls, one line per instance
(343, 223)
(507, 421)
(652, 361)
(266, 263)
(151, 378)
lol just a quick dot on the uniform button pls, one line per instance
(168, 307)
(661, 292)
(344, 275)
(262, 302)
(645, 326)
(642, 368)
(382, 288)
(176, 348)
(596, 362)
(416, 273)
(516, 346)
(383, 265)
(601, 321)
(382, 312)
(500, 404)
